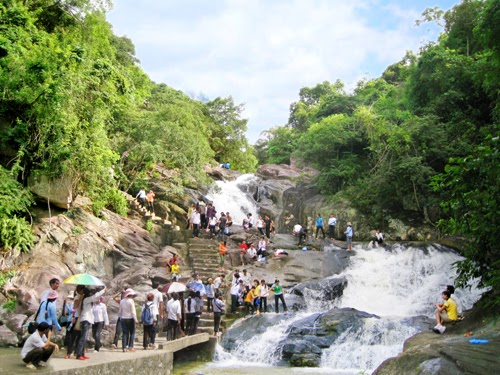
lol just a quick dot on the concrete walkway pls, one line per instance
(159, 361)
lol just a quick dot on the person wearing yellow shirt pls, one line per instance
(256, 301)
(249, 301)
(175, 271)
(446, 312)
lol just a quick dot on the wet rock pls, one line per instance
(325, 289)
(245, 330)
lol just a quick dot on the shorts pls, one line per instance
(444, 317)
(349, 240)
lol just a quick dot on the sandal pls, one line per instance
(67, 356)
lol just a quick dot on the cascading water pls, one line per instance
(228, 196)
(397, 284)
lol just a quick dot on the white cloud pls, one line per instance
(263, 52)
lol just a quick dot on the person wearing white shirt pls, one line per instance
(196, 223)
(252, 252)
(332, 222)
(86, 319)
(219, 280)
(100, 321)
(260, 225)
(264, 293)
(38, 348)
(128, 318)
(157, 311)
(247, 279)
(174, 316)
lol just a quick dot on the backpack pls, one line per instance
(146, 315)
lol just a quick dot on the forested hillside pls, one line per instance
(75, 102)
(421, 140)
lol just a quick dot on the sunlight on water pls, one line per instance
(395, 283)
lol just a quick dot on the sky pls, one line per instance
(262, 52)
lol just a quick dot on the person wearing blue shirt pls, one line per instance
(48, 313)
(319, 226)
(349, 233)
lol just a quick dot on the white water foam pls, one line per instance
(229, 197)
(395, 284)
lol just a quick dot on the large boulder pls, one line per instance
(7, 337)
(58, 191)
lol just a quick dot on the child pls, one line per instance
(222, 253)
(175, 271)
(147, 320)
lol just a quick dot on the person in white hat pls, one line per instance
(128, 319)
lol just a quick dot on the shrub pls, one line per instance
(15, 234)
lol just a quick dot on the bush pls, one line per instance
(10, 305)
(6, 276)
(112, 200)
(15, 234)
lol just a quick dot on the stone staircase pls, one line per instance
(203, 255)
(135, 205)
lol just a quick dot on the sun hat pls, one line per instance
(349, 224)
(129, 292)
(52, 295)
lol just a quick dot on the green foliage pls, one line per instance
(111, 199)
(472, 192)
(149, 226)
(10, 305)
(6, 276)
(77, 229)
(15, 235)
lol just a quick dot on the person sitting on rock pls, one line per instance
(261, 247)
(243, 252)
(171, 262)
(250, 220)
(446, 312)
(252, 252)
(455, 299)
(38, 348)
(175, 271)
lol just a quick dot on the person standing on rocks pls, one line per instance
(268, 224)
(219, 283)
(210, 292)
(150, 197)
(319, 226)
(264, 293)
(222, 226)
(142, 197)
(349, 233)
(218, 309)
(332, 223)
(196, 223)
(236, 293)
(278, 295)
(260, 226)
(222, 254)
(174, 315)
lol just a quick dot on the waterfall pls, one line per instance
(396, 283)
(227, 197)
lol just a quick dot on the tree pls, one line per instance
(471, 195)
